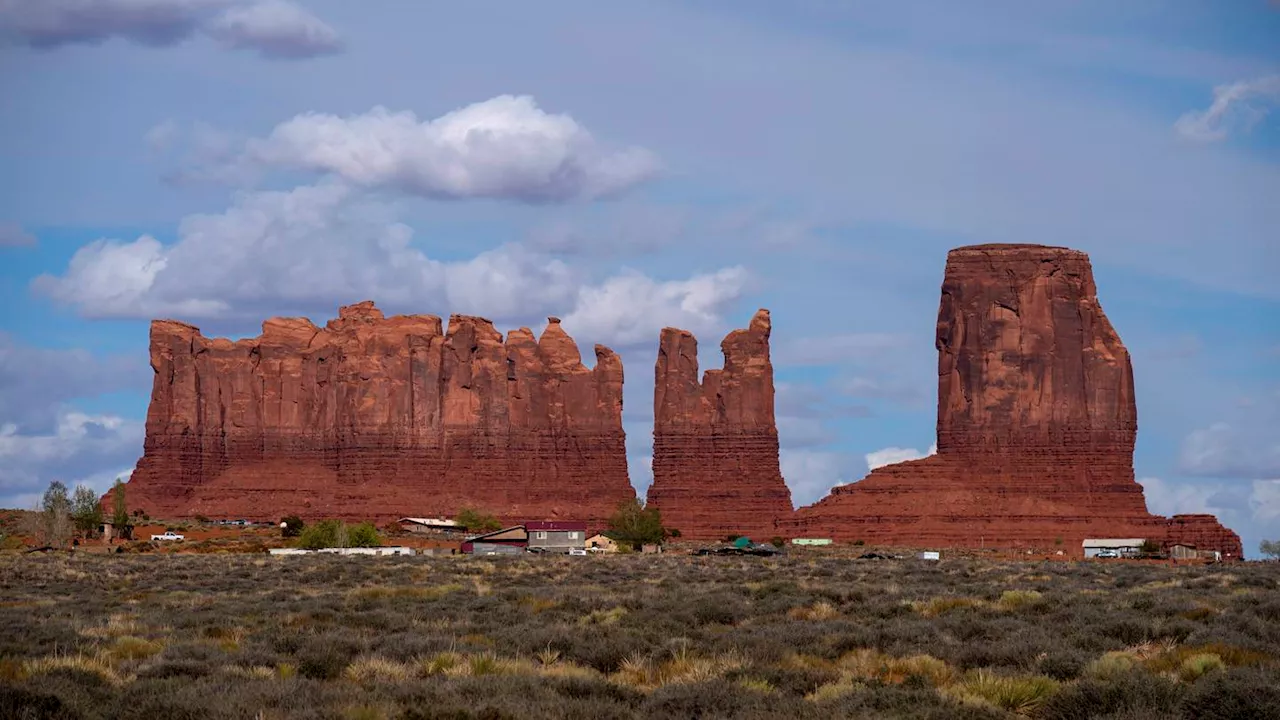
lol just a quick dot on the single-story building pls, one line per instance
(1187, 551)
(602, 543)
(1119, 546)
(507, 540)
(556, 535)
(810, 541)
(422, 525)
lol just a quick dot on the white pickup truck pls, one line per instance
(167, 536)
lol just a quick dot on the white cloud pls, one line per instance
(891, 455)
(307, 250)
(1169, 498)
(1265, 503)
(37, 383)
(504, 147)
(1236, 108)
(275, 28)
(1225, 450)
(12, 235)
(75, 450)
(633, 308)
(812, 473)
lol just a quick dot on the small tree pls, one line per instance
(55, 509)
(1270, 548)
(119, 508)
(293, 526)
(324, 534)
(636, 525)
(363, 535)
(86, 511)
(1150, 547)
(475, 521)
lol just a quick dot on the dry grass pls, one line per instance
(807, 636)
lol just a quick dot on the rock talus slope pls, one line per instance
(374, 417)
(1036, 422)
(715, 443)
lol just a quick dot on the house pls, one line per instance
(426, 525)
(508, 541)
(1187, 551)
(556, 535)
(602, 543)
(1112, 547)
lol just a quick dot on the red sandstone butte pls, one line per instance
(1036, 423)
(374, 417)
(715, 444)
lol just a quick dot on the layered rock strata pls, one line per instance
(374, 417)
(715, 442)
(1036, 422)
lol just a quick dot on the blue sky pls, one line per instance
(646, 165)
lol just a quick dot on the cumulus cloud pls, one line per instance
(92, 449)
(504, 147)
(891, 455)
(1236, 107)
(274, 28)
(306, 250)
(1228, 451)
(812, 473)
(12, 235)
(632, 308)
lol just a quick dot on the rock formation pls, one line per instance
(715, 444)
(1036, 422)
(376, 418)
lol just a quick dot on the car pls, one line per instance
(170, 535)
(577, 551)
(1108, 554)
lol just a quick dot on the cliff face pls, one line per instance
(375, 418)
(715, 444)
(1036, 421)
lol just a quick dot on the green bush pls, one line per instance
(363, 535)
(324, 534)
(336, 534)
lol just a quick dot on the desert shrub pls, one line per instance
(1129, 693)
(1063, 665)
(23, 704)
(1237, 694)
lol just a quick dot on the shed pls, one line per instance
(557, 535)
(516, 537)
(1183, 551)
(602, 543)
(1122, 546)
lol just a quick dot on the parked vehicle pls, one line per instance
(1108, 554)
(167, 536)
(577, 551)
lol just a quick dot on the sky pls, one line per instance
(633, 166)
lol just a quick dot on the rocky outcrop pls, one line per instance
(1036, 421)
(374, 417)
(715, 443)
